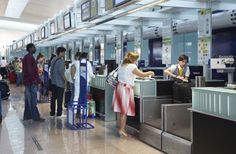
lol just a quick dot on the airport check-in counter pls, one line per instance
(166, 126)
(102, 94)
(147, 103)
(176, 136)
(214, 120)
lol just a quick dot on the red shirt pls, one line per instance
(30, 70)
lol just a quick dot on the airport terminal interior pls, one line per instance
(128, 76)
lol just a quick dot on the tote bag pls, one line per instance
(112, 78)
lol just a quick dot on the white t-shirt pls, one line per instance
(68, 74)
(125, 74)
(3, 63)
(173, 68)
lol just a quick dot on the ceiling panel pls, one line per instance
(3, 5)
(38, 11)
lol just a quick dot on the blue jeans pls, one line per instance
(18, 78)
(72, 88)
(31, 110)
(0, 105)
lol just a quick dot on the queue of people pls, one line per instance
(60, 77)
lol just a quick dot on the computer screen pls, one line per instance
(111, 65)
(141, 63)
(195, 70)
(158, 72)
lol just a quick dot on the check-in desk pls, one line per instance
(166, 126)
(214, 121)
(176, 136)
(151, 94)
(102, 94)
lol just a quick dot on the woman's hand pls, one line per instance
(151, 73)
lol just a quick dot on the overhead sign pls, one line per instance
(94, 8)
(53, 27)
(43, 32)
(67, 21)
(86, 11)
(120, 2)
(109, 4)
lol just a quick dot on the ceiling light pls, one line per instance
(20, 26)
(15, 8)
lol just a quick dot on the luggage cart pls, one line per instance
(81, 106)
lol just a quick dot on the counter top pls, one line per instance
(216, 89)
(215, 101)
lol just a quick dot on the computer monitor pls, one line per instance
(141, 63)
(158, 72)
(195, 70)
(111, 65)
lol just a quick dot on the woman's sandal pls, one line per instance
(121, 133)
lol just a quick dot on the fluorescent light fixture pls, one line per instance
(20, 26)
(146, 6)
(15, 8)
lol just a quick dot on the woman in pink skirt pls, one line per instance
(123, 99)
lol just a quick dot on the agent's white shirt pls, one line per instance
(174, 67)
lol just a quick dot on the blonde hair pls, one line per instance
(130, 57)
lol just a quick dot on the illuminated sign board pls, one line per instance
(86, 10)
(67, 21)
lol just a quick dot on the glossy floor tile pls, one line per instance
(53, 137)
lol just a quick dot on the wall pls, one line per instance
(110, 52)
(145, 50)
(185, 44)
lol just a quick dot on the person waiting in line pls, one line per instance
(57, 70)
(72, 71)
(49, 88)
(83, 59)
(40, 62)
(0, 106)
(179, 71)
(123, 98)
(3, 70)
(18, 71)
(31, 81)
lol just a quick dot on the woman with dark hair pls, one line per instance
(49, 77)
(180, 70)
(123, 99)
(40, 62)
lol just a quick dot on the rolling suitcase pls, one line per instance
(5, 91)
(12, 77)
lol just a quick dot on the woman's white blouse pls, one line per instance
(125, 74)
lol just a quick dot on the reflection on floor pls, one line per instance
(53, 137)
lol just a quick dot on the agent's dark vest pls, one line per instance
(176, 72)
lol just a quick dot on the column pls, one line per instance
(119, 46)
(138, 40)
(205, 39)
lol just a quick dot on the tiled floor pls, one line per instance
(53, 137)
